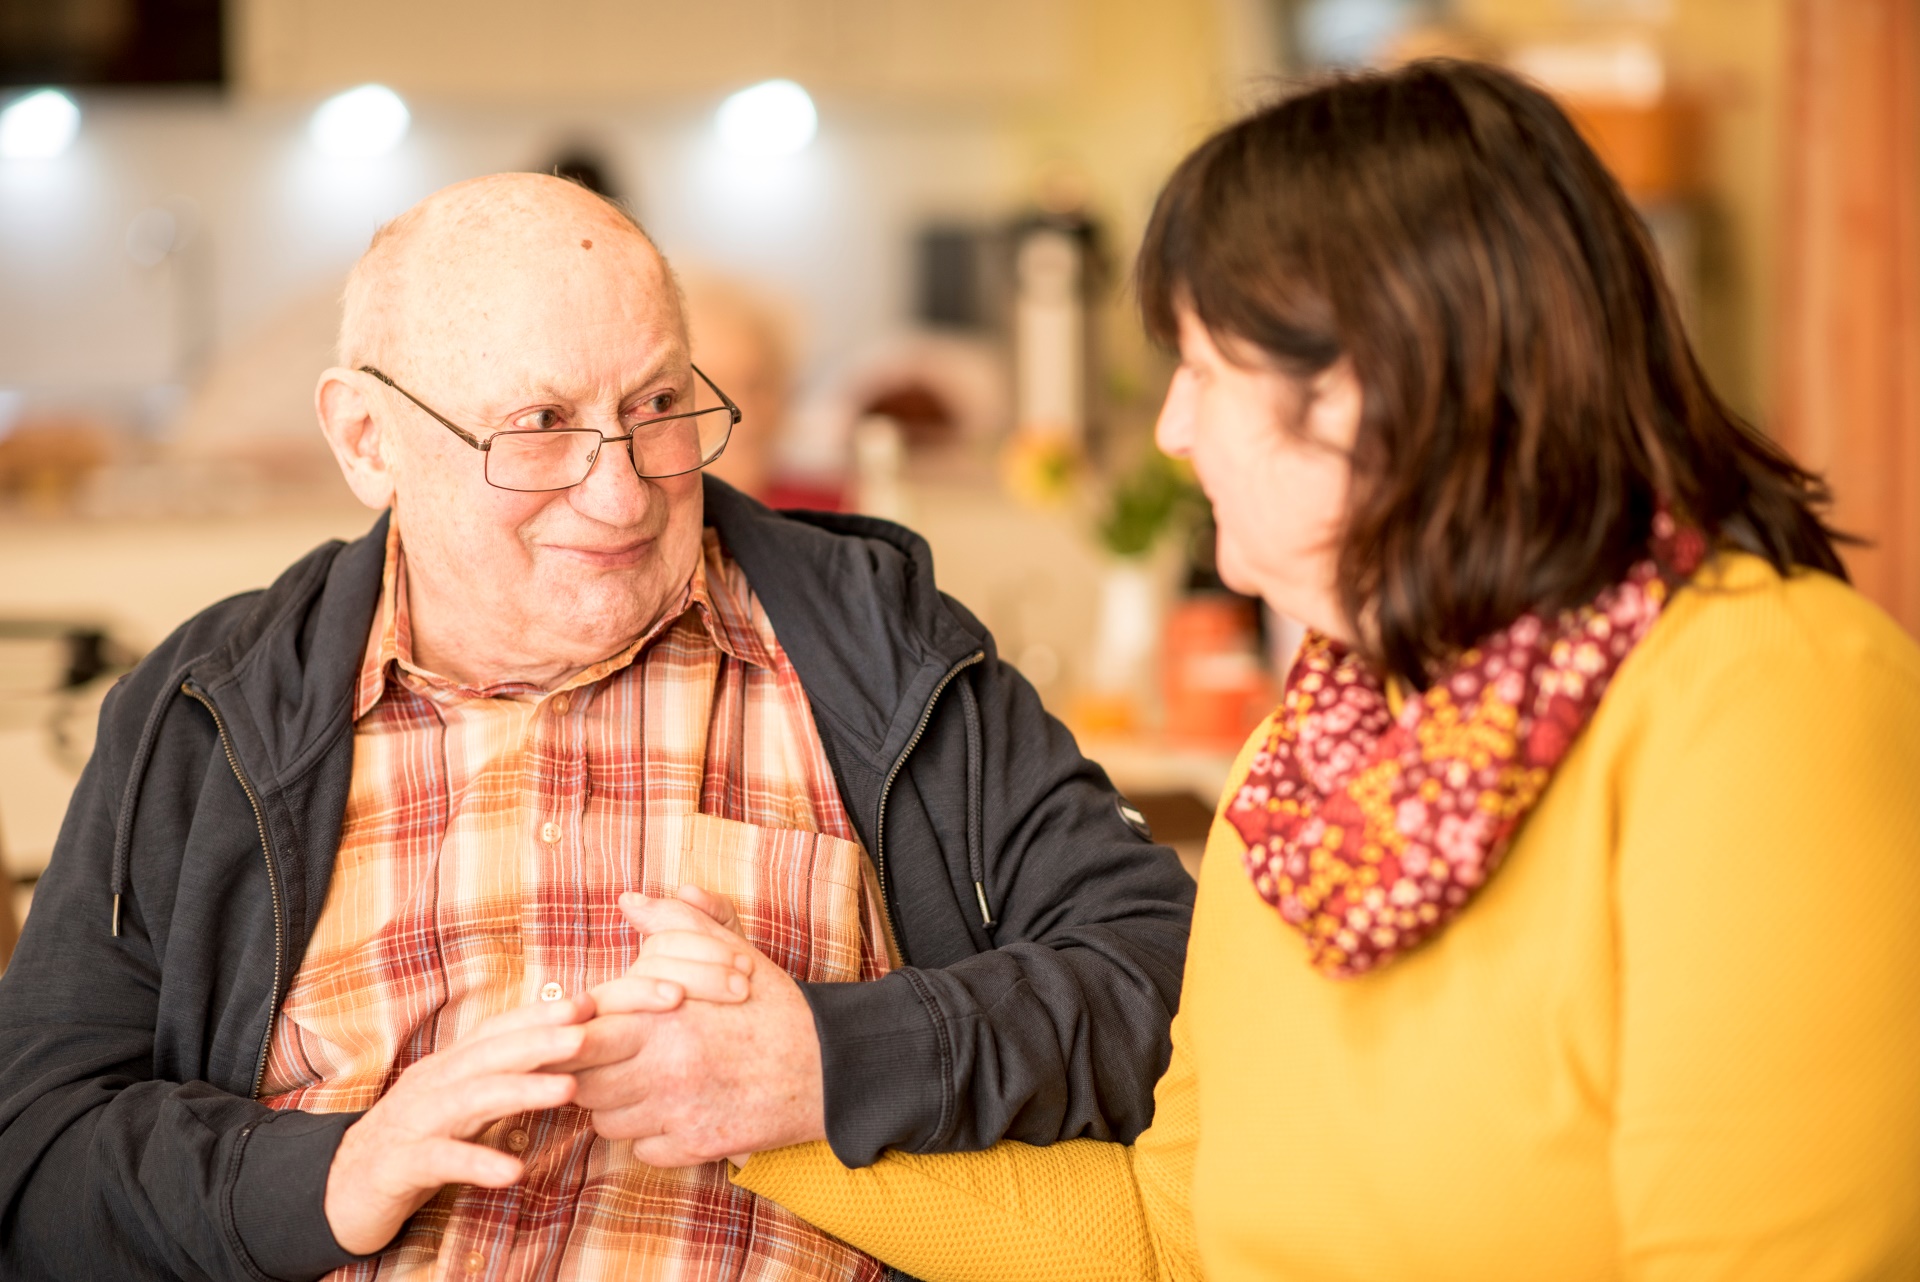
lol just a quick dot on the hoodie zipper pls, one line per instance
(273, 877)
(886, 790)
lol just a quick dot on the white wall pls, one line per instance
(830, 227)
(927, 107)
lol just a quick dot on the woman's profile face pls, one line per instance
(1272, 455)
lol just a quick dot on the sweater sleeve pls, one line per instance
(1079, 1211)
(1768, 1124)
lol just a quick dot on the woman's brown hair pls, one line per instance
(1529, 398)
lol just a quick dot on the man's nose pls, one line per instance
(612, 492)
(1173, 430)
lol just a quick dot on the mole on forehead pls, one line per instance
(457, 261)
(470, 222)
(428, 265)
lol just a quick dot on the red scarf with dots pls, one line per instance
(1368, 831)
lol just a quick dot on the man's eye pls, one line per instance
(663, 403)
(538, 420)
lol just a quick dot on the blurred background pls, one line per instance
(904, 227)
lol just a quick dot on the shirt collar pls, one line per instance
(716, 594)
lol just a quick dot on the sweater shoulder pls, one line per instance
(1741, 627)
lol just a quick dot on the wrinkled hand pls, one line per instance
(413, 1141)
(730, 1073)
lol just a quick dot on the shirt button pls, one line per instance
(550, 832)
(561, 703)
(475, 1261)
(551, 992)
(517, 1140)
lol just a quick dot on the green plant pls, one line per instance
(1147, 503)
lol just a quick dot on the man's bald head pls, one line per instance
(526, 304)
(448, 257)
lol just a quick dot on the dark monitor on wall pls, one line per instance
(112, 42)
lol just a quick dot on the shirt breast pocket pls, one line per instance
(805, 899)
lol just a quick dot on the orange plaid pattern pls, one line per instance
(488, 834)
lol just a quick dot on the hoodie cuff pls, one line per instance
(886, 1066)
(280, 1191)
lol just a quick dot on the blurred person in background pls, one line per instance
(1560, 922)
(741, 338)
(327, 970)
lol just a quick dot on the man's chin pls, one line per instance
(607, 608)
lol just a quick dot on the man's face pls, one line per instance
(559, 333)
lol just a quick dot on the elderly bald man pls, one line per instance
(338, 964)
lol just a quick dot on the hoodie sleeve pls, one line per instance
(1052, 1022)
(105, 1171)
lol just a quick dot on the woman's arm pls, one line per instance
(1079, 1211)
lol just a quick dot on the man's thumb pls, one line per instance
(650, 914)
(715, 906)
(644, 911)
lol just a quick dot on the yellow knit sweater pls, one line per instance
(1677, 1036)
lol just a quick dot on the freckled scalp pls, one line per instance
(437, 266)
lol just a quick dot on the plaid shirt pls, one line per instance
(488, 833)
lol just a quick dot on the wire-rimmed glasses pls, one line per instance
(532, 460)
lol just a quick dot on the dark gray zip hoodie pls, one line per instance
(1044, 936)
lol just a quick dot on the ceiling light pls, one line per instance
(38, 126)
(367, 121)
(772, 118)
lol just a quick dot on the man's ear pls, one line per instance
(346, 417)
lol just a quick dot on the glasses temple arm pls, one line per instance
(458, 431)
(732, 409)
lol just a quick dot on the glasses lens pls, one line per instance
(672, 445)
(552, 460)
(683, 444)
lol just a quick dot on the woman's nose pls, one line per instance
(1173, 430)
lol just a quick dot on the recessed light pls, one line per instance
(38, 126)
(772, 118)
(367, 121)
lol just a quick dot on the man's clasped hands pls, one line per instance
(702, 1049)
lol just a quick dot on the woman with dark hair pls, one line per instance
(1564, 920)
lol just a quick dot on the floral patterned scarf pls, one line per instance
(1369, 831)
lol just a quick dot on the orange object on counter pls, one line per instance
(1653, 149)
(1212, 681)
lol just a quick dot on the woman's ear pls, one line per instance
(1333, 406)
(358, 441)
